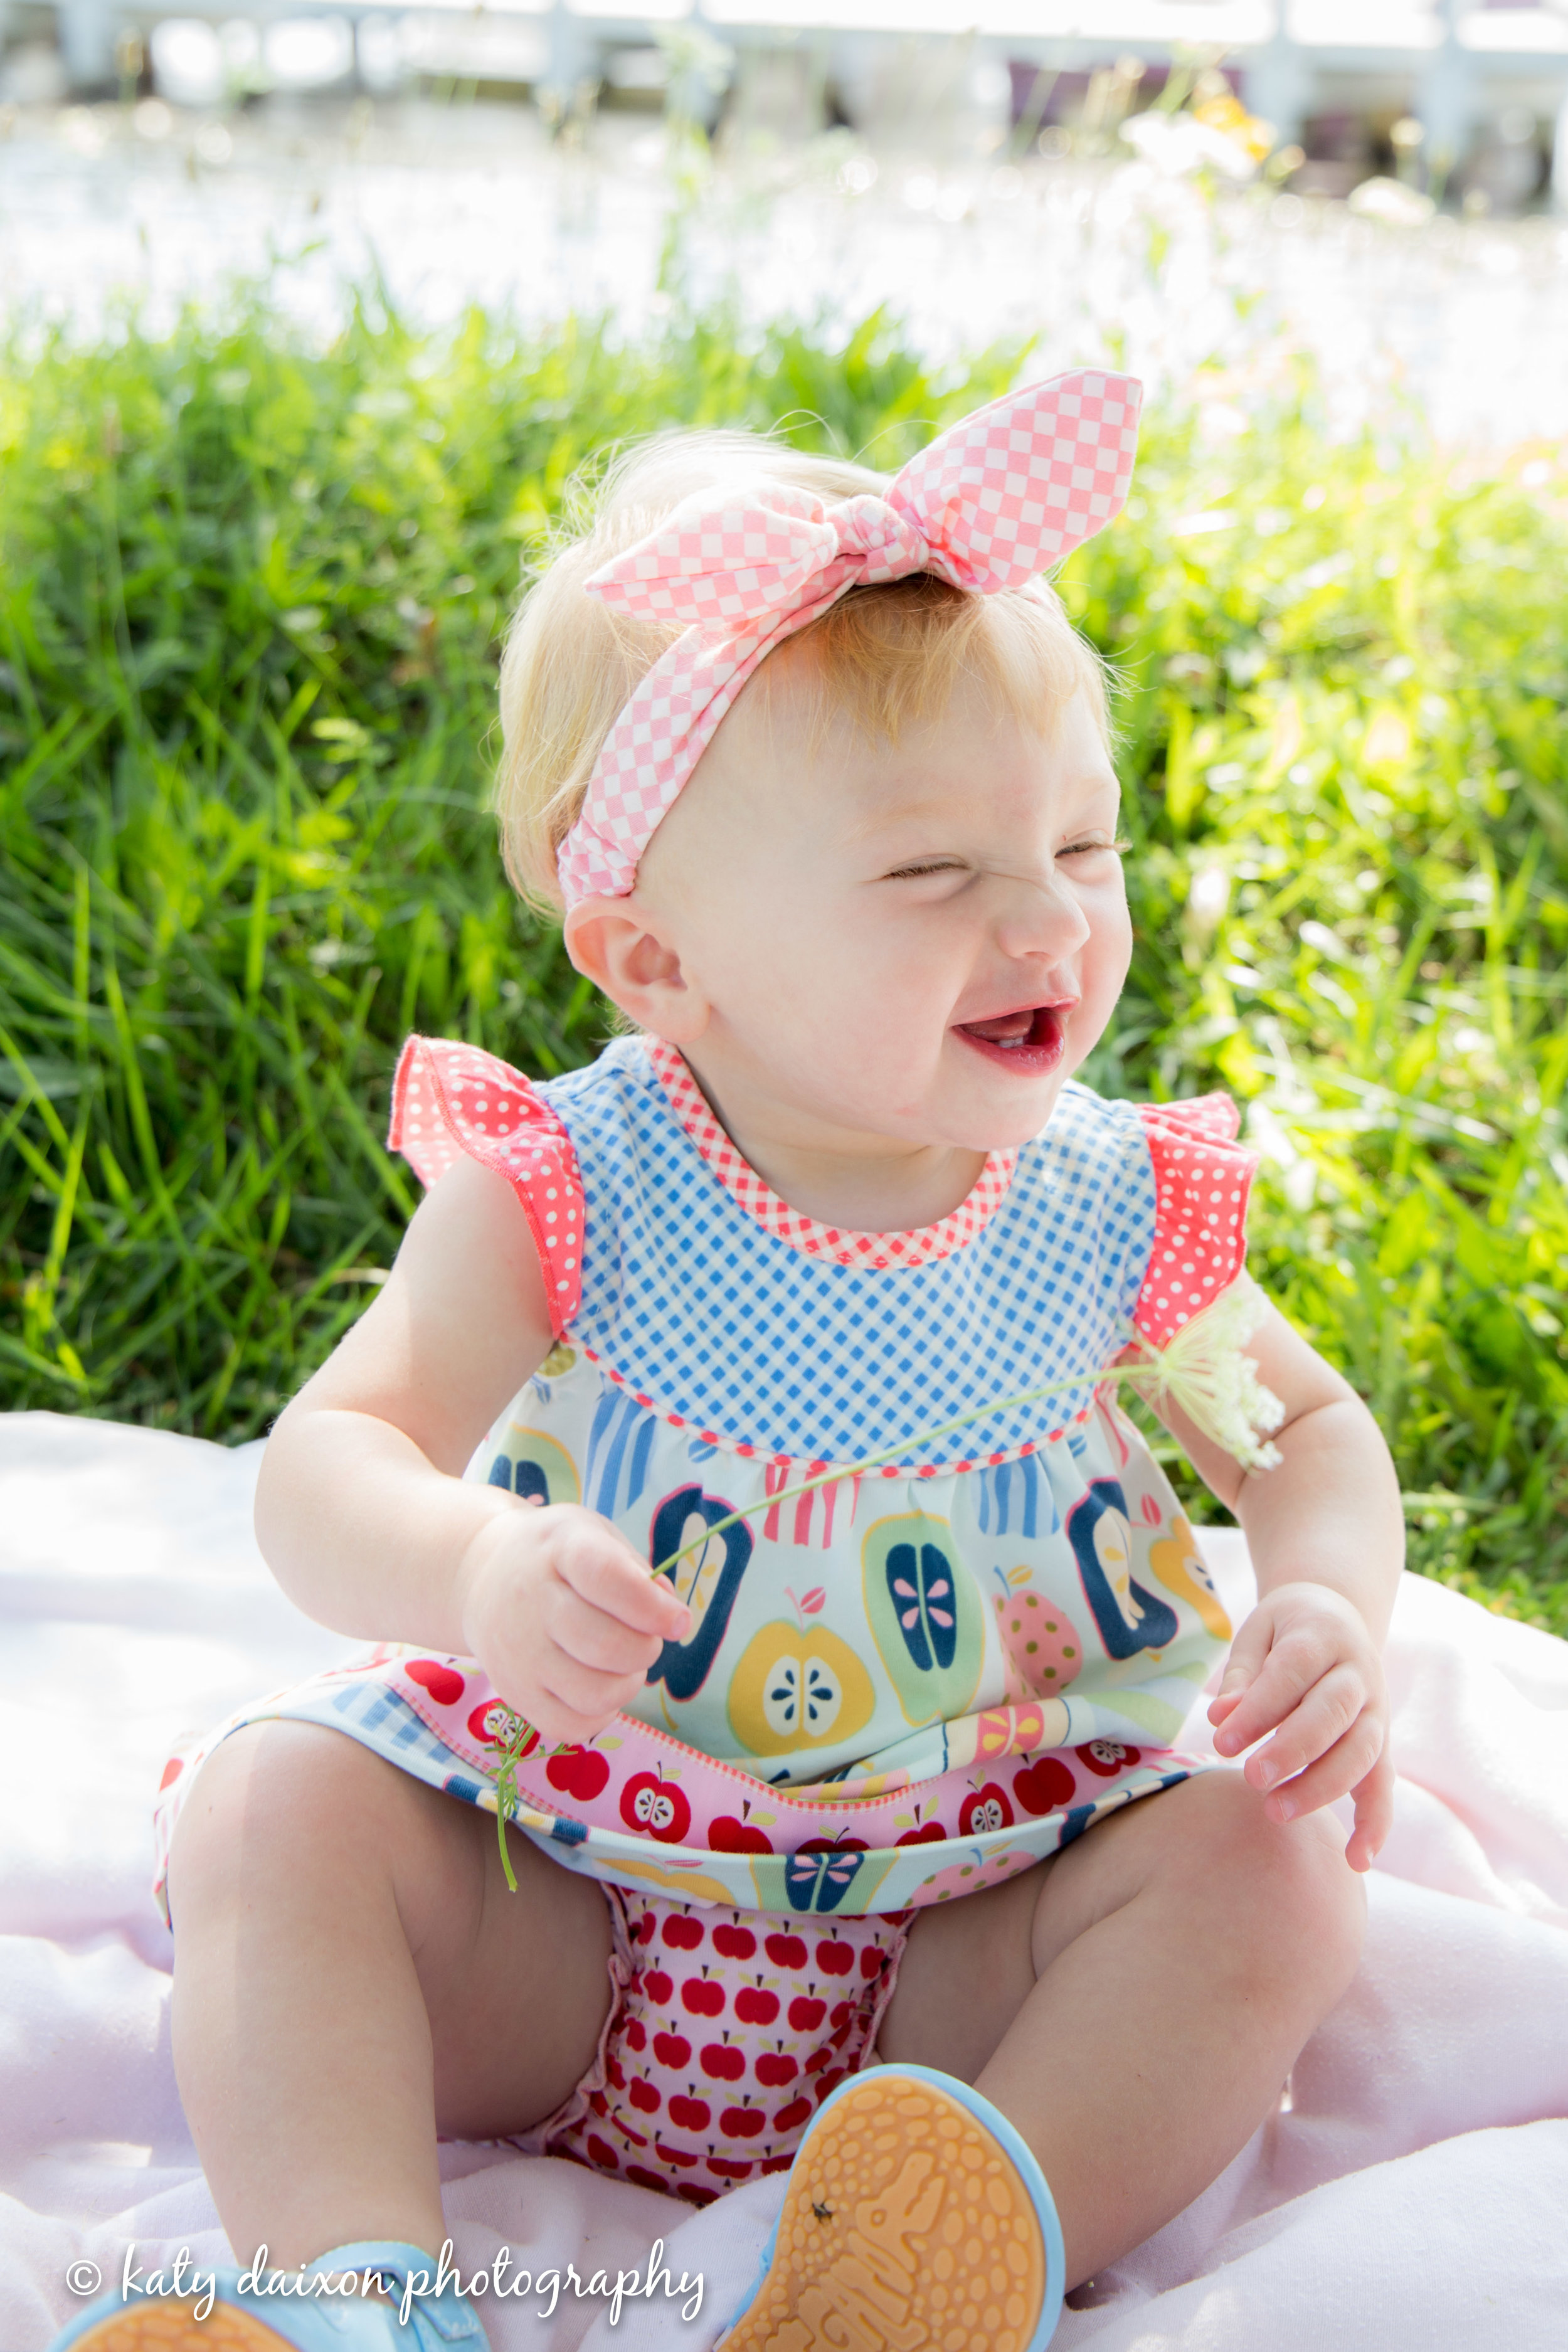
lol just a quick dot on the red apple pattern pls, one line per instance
(728, 1835)
(1107, 1757)
(443, 1682)
(655, 1806)
(788, 2016)
(929, 1834)
(580, 1772)
(614, 1791)
(986, 1808)
(1045, 1785)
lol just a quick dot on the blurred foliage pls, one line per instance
(1345, 672)
(250, 594)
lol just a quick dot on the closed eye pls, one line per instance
(926, 865)
(1088, 848)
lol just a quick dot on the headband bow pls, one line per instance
(988, 505)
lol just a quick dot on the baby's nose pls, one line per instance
(1041, 917)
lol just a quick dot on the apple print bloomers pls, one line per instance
(925, 1673)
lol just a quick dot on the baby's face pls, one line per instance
(920, 942)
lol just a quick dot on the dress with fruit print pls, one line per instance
(921, 1674)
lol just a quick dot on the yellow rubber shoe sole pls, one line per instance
(907, 2227)
(171, 2327)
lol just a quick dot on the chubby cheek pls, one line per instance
(746, 947)
(1106, 955)
(785, 951)
(859, 1021)
(850, 1019)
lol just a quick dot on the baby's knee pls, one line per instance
(1310, 1905)
(275, 1799)
(1294, 1903)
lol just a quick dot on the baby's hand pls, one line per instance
(1305, 1667)
(564, 1617)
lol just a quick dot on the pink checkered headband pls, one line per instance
(989, 505)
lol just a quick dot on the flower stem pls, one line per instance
(907, 1445)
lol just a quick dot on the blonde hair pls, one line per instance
(889, 657)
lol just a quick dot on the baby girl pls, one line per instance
(732, 1470)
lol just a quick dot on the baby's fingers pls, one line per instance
(601, 1569)
(1248, 1652)
(561, 1724)
(1244, 1664)
(594, 1639)
(1311, 1728)
(1373, 1813)
(579, 1698)
(1341, 1768)
(1296, 1662)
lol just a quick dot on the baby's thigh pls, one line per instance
(1196, 1868)
(966, 1971)
(970, 1966)
(517, 1986)
(296, 1837)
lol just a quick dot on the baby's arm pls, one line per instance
(1326, 1532)
(363, 1513)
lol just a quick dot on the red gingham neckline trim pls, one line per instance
(776, 1217)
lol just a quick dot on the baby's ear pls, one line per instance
(622, 947)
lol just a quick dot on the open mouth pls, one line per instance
(1029, 1041)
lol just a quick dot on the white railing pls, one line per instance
(1450, 52)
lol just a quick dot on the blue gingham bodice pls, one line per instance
(753, 1342)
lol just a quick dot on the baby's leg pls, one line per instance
(1134, 2005)
(351, 1975)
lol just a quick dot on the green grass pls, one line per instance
(250, 597)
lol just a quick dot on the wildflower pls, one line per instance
(1205, 1370)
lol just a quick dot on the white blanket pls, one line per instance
(1413, 2194)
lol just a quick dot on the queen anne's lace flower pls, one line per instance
(1205, 1370)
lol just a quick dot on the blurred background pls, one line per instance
(309, 317)
(961, 157)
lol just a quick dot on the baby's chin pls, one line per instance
(988, 1107)
(972, 1126)
(959, 1100)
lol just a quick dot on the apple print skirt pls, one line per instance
(726, 2032)
(729, 2020)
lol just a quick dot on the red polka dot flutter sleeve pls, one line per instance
(451, 1101)
(1202, 1179)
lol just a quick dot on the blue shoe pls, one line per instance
(915, 2220)
(239, 2320)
